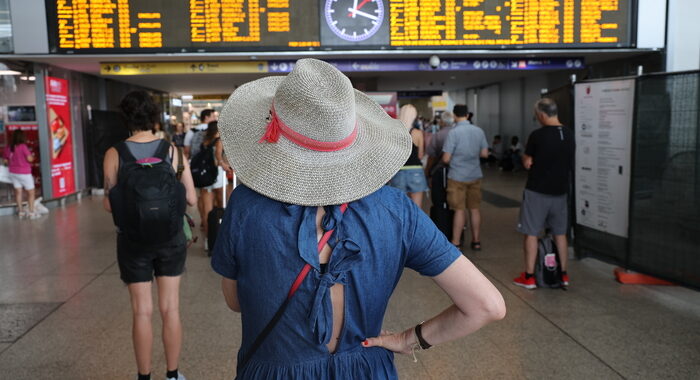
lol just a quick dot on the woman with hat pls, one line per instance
(313, 244)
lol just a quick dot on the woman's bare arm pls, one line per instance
(230, 289)
(476, 303)
(186, 179)
(220, 158)
(417, 137)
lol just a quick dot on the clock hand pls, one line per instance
(362, 4)
(363, 14)
(354, 6)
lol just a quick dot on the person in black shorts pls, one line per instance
(549, 157)
(139, 261)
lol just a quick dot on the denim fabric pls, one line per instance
(263, 244)
(410, 181)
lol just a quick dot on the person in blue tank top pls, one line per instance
(313, 243)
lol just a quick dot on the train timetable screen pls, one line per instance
(130, 26)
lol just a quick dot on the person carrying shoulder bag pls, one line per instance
(313, 243)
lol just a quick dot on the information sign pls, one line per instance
(81, 26)
(345, 65)
(604, 114)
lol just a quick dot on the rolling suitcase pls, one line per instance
(440, 212)
(214, 219)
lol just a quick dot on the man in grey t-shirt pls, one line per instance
(465, 145)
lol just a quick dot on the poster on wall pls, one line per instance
(604, 115)
(31, 135)
(61, 145)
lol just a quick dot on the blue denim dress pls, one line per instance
(263, 244)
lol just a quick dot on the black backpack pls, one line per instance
(547, 266)
(203, 168)
(148, 202)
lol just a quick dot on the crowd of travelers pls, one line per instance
(313, 241)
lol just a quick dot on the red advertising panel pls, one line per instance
(31, 133)
(60, 130)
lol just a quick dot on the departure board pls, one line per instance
(141, 26)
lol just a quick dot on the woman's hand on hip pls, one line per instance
(396, 342)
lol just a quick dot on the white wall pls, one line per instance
(506, 108)
(683, 39)
(512, 123)
(29, 30)
(531, 94)
(651, 17)
(455, 97)
(487, 111)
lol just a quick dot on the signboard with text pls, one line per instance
(344, 65)
(603, 127)
(61, 134)
(137, 26)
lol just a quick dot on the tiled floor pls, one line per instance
(65, 313)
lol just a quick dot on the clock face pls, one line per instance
(354, 20)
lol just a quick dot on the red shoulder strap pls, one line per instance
(305, 270)
(278, 315)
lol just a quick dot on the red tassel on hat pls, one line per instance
(276, 127)
(272, 135)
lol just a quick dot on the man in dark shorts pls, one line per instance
(549, 157)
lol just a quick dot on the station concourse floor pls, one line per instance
(65, 314)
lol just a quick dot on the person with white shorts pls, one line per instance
(19, 158)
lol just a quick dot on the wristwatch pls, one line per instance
(421, 342)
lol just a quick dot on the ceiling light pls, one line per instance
(32, 78)
(6, 70)
(187, 97)
(23, 77)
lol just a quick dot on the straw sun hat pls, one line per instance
(309, 138)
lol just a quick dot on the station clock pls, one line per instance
(354, 20)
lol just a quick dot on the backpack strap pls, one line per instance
(180, 163)
(125, 154)
(162, 150)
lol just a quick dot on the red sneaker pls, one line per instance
(565, 279)
(527, 283)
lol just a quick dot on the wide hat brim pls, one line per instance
(293, 174)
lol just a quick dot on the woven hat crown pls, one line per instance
(317, 101)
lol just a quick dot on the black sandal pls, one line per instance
(476, 246)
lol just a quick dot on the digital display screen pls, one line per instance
(131, 26)
(21, 113)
